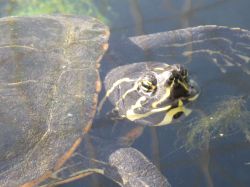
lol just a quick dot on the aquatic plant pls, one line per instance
(229, 116)
(36, 7)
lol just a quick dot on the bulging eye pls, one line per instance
(148, 84)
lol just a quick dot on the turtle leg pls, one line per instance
(124, 165)
(134, 169)
(127, 166)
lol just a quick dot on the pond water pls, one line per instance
(212, 146)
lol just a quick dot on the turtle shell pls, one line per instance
(49, 83)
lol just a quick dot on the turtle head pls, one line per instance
(150, 93)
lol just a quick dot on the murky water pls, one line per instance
(198, 151)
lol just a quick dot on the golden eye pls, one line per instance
(148, 83)
(147, 86)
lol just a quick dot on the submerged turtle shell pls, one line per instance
(48, 91)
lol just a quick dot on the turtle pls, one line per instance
(222, 51)
(49, 94)
(49, 88)
(218, 57)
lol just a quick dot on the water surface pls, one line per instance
(222, 158)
